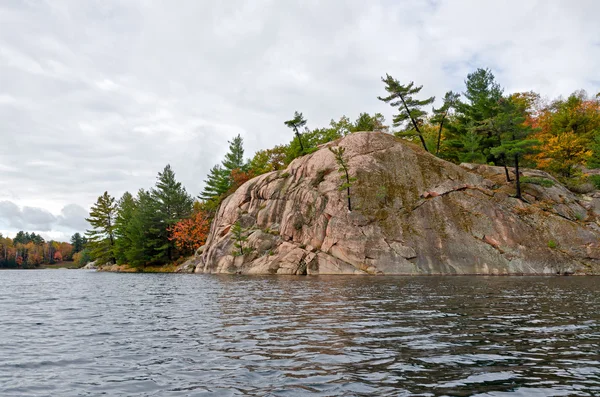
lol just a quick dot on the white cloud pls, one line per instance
(70, 220)
(102, 95)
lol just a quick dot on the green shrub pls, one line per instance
(552, 244)
(535, 180)
(595, 179)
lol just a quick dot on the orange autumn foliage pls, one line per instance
(239, 177)
(191, 233)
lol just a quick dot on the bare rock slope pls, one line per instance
(412, 214)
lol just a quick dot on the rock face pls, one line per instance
(90, 266)
(412, 214)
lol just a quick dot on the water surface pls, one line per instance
(81, 333)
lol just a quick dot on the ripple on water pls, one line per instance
(71, 333)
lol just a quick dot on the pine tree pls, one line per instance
(482, 98)
(173, 204)
(234, 159)
(344, 171)
(514, 137)
(366, 122)
(21, 238)
(78, 242)
(219, 179)
(401, 96)
(470, 144)
(239, 238)
(102, 235)
(295, 124)
(125, 212)
(216, 184)
(144, 231)
(441, 114)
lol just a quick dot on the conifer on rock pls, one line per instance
(401, 96)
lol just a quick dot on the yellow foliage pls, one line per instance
(562, 152)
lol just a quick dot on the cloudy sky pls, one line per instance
(101, 95)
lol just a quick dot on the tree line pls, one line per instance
(483, 124)
(29, 250)
(143, 229)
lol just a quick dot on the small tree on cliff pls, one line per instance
(344, 171)
(295, 124)
(514, 137)
(401, 96)
(239, 238)
(441, 114)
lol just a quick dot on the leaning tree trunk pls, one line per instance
(437, 151)
(300, 141)
(414, 124)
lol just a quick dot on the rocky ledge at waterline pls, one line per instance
(412, 214)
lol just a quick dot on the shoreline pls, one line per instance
(365, 275)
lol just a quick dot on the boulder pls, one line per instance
(412, 213)
(90, 266)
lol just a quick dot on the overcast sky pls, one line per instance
(101, 95)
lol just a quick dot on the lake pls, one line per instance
(82, 333)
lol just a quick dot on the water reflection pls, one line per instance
(78, 333)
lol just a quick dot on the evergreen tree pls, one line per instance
(219, 179)
(78, 242)
(470, 147)
(482, 98)
(401, 96)
(366, 122)
(173, 203)
(125, 212)
(344, 171)
(514, 137)
(295, 124)
(102, 235)
(482, 94)
(36, 238)
(21, 238)
(216, 184)
(239, 238)
(143, 231)
(234, 159)
(441, 114)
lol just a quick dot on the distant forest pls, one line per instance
(482, 124)
(30, 250)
